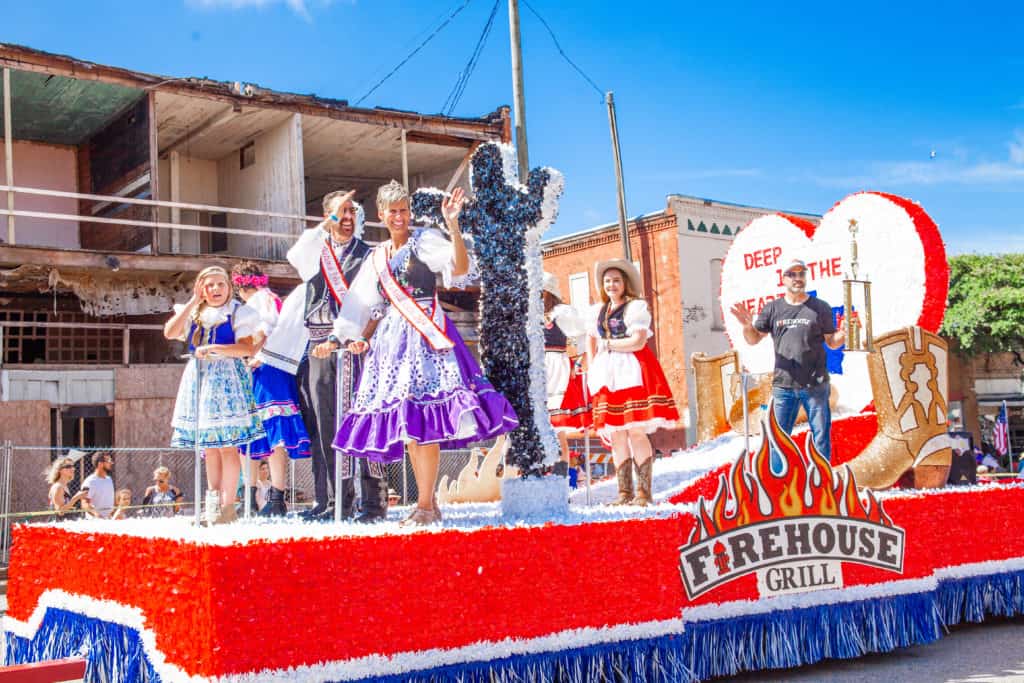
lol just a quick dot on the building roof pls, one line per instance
(691, 199)
(22, 58)
(686, 199)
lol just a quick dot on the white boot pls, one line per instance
(909, 381)
(211, 511)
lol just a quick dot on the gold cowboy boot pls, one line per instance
(909, 381)
(711, 375)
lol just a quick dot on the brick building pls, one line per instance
(679, 252)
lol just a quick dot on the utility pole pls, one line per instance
(627, 253)
(518, 98)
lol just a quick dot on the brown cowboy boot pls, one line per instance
(909, 383)
(643, 482)
(624, 474)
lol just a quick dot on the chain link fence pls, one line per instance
(24, 488)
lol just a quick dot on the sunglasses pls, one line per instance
(796, 274)
(67, 467)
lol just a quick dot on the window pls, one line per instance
(717, 321)
(247, 155)
(579, 291)
(24, 345)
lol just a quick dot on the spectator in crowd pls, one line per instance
(99, 486)
(990, 463)
(263, 484)
(165, 498)
(122, 503)
(60, 473)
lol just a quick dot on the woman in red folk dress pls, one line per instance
(629, 393)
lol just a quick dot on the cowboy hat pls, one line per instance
(550, 285)
(630, 272)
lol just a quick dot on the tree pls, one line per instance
(985, 312)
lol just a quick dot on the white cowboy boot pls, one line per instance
(211, 510)
(910, 384)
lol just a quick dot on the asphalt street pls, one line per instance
(973, 653)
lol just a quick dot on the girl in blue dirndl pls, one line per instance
(219, 331)
(274, 385)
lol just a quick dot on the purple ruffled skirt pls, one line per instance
(410, 392)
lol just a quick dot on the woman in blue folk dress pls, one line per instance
(219, 331)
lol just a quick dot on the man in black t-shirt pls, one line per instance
(799, 324)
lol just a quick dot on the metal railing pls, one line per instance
(297, 222)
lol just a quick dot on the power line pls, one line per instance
(463, 80)
(561, 51)
(413, 53)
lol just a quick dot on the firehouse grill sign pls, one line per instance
(794, 528)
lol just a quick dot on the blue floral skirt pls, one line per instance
(226, 410)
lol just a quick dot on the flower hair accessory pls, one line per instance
(250, 280)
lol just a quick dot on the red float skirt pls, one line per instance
(648, 406)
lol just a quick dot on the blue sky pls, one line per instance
(786, 105)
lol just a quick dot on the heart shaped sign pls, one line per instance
(899, 249)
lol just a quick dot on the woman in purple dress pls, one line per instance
(420, 385)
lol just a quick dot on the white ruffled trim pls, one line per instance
(649, 426)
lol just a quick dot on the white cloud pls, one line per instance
(939, 171)
(1017, 147)
(298, 6)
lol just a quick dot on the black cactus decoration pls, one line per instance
(498, 218)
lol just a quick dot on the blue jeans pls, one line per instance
(787, 404)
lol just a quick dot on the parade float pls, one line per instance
(738, 567)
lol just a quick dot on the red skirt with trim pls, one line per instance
(574, 413)
(649, 405)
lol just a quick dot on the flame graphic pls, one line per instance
(807, 485)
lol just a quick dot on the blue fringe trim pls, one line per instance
(113, 652)
(708, 649)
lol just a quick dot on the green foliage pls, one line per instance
(986, 303)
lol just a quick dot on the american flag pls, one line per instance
(1002, 432)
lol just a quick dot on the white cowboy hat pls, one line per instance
(550, 285)
(628, 269)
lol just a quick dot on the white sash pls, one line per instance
(432, 329)
(332, 272)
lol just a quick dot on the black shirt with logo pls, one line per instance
(798, 332)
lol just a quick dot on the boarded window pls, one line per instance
(247, 155)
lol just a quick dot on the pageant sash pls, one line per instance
(331, 269)
(431, 329)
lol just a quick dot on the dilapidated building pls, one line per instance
(116, 187)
